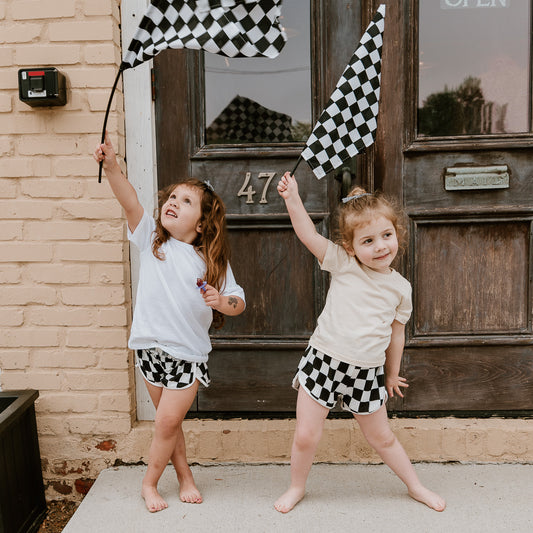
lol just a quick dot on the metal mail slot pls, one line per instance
(467, 178)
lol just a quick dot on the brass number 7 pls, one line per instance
(270, 176)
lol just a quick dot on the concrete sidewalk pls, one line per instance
(363, 498)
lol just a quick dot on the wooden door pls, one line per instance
(455, 143)
(256, 354)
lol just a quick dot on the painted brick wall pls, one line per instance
(64, 269)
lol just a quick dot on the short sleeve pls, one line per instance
(142, 236)
(335, 258)
(404, 309)
(231, 288)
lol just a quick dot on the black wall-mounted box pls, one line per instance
(42, 86)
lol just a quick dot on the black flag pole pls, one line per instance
(106, 117)
(296, 166)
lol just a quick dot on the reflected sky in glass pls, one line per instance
(282, 85)
(484, 39)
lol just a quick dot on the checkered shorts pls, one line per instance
(162, 370)
(327, 380)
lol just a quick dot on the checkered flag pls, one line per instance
(233, 28)
(348, 123)
(244, 120)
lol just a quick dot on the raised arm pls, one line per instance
(121, 187)
(301, 221)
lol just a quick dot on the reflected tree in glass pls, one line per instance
(461, 111)
(474, 62)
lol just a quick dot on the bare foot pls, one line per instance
(289, 499)
(153, 500)
(432, 500)
(189, 492)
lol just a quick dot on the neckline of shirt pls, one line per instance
(374, 273)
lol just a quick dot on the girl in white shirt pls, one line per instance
(355, 351)
(185, 285)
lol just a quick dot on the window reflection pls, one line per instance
(474, 67)
(260, 100)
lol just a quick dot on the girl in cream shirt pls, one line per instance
(355, 351)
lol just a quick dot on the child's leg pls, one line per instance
(153, 500)
(377, 431)
(171, 408)
(310, 416)
(189, 493)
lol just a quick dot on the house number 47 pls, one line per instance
(248, 191)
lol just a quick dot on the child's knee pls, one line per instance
(167, 426)
(307, 436)
(382, 439)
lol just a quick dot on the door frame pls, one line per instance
(140, 156)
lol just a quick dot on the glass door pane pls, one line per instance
(474, 67)
(260, 100)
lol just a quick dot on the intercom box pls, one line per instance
(42, 86)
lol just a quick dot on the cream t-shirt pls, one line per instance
(356, 323)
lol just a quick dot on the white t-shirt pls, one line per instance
(170, 312)
(356, 323)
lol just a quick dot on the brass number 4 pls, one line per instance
(248, 191)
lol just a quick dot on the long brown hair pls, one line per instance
(360, 211)
(212, 243)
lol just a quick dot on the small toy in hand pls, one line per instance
(201, 284)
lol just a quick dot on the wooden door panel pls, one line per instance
(473, 378)
(230, 177)
(424, 181)
(250, 380)
(280, 277)
(471, 277)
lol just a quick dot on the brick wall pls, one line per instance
(64, 287)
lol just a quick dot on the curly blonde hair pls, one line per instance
(366, 207)
(212, 243)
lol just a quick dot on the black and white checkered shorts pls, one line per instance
(163, 370)
(359, 390)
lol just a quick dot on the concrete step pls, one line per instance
(340, 497)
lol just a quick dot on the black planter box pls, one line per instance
(22, 501)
